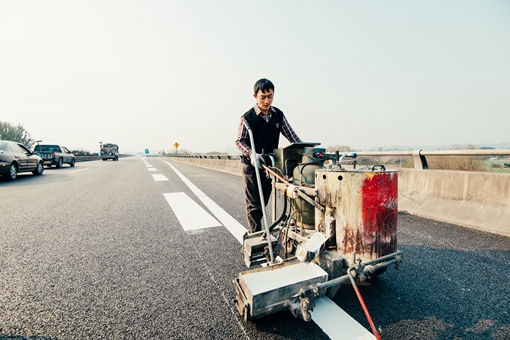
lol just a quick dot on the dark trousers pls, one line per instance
(254, 207)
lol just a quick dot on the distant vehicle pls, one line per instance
(109, 151)
(53, 154)
(16, 158)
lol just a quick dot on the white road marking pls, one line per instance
(189, 213)
(336, 323)
(152, 169)
(72, 172)
(234, 227)
(159, 177)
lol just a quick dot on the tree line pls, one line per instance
(18, 133)
(15, 133)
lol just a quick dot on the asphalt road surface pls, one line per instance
(97, 252)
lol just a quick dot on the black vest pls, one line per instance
(266, 135)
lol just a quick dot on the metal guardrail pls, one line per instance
(86, 158)
(92, 158)
(419, 156)
(208, 156)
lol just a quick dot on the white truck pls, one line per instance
(109, 151)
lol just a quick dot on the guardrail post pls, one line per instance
(420, 162)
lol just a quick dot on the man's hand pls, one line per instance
(258, 161)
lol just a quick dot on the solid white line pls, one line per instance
(159, 177)
(186, 181)
(189, 213)
(234, 227)
(336, 323)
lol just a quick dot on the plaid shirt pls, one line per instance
(242, 132)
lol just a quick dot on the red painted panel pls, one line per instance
(379, 204)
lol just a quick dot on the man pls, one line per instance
(266, 123)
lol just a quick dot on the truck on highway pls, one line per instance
(109, 151)
(53, 154)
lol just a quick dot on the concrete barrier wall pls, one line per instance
(479, 200)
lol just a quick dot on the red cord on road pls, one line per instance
(367, 314)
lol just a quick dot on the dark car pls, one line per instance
(53, 154)
(16, 158)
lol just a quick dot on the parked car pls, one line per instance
(16, 158)
(53, 154)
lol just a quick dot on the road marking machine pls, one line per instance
(336, 225)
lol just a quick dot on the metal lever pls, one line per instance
(257, 173)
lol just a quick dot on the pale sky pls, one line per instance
(147, 74)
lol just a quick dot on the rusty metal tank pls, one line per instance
(304, 175)
(361, 209)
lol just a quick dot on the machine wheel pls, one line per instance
(13, 172)
(72, 163)
(39, 170)
(116, 158)
(59, 164)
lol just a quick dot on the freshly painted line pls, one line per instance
(234, 227)
(189, 213)
(72, 172)
(159, 177)
(336, 323)
(153, 169)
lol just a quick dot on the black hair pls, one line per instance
(263, 85)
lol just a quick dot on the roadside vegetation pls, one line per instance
(497, 164)
(18, 133)
(81, 152)
(15, 133)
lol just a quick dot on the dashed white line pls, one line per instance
(159, 177)
(72, 172)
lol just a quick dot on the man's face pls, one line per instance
(264, 100)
